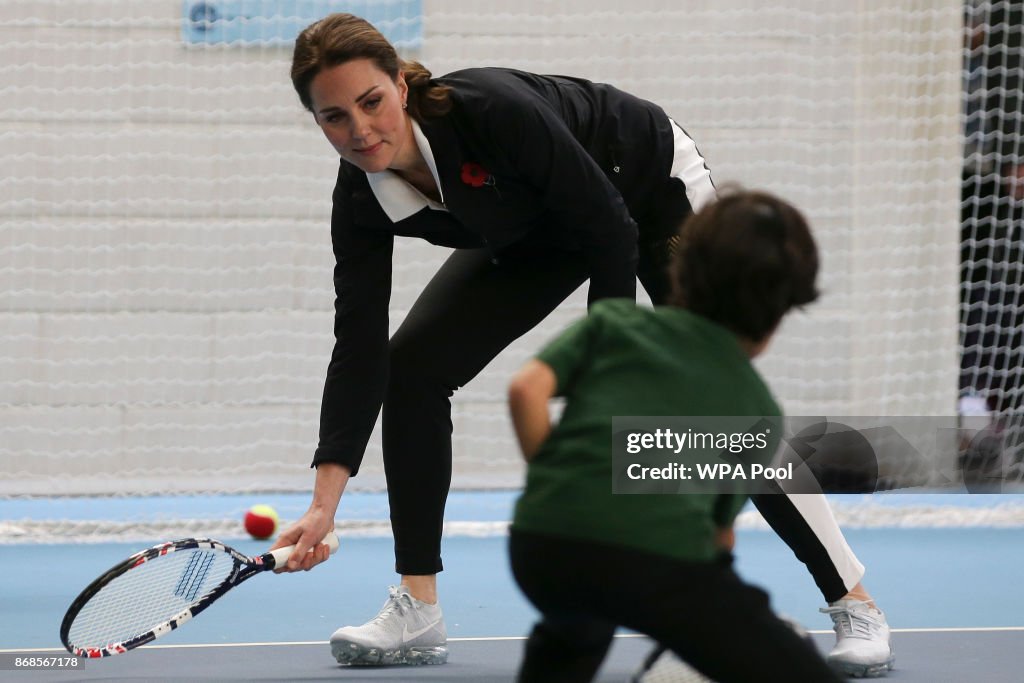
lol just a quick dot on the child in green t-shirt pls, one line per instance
(591, 560)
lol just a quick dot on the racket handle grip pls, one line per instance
(281, 555)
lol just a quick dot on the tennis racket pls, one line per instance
(157, 590)
(664, 666)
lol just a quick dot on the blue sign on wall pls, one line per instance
(277, 22)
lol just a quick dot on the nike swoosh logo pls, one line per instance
(408, 635)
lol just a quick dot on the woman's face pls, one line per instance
(359, 109)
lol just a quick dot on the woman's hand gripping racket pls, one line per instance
(157, 590)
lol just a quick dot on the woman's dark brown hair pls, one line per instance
(744, 261)
(340, 38)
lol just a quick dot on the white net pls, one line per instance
(165, 261)
(992, 260)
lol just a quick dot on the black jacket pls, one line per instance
(561, 162)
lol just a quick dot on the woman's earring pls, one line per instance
(405, 105)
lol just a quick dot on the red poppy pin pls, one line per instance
(475, 175)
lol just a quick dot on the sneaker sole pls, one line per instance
(359, 655)
(863, 670)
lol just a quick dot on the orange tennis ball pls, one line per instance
(261, 521)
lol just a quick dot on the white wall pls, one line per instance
(165, 264)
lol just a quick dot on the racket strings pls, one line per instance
(193, 576)
(148, 596)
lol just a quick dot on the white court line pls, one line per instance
(282, 644)
(968, 629)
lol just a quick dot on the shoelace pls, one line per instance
(850, 623)
(397, 602)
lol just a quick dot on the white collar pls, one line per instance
(395, 195)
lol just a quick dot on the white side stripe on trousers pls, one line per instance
(689, 166)
(815, 510)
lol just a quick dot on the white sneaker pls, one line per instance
(405, 631)
(863, 647)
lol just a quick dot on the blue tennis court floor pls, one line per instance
(950, 592)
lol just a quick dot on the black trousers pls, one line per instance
(465, 316)
(701, 611)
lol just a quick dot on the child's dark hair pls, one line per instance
(744, 261)
(340, 38)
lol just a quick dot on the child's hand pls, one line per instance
(725, 538)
